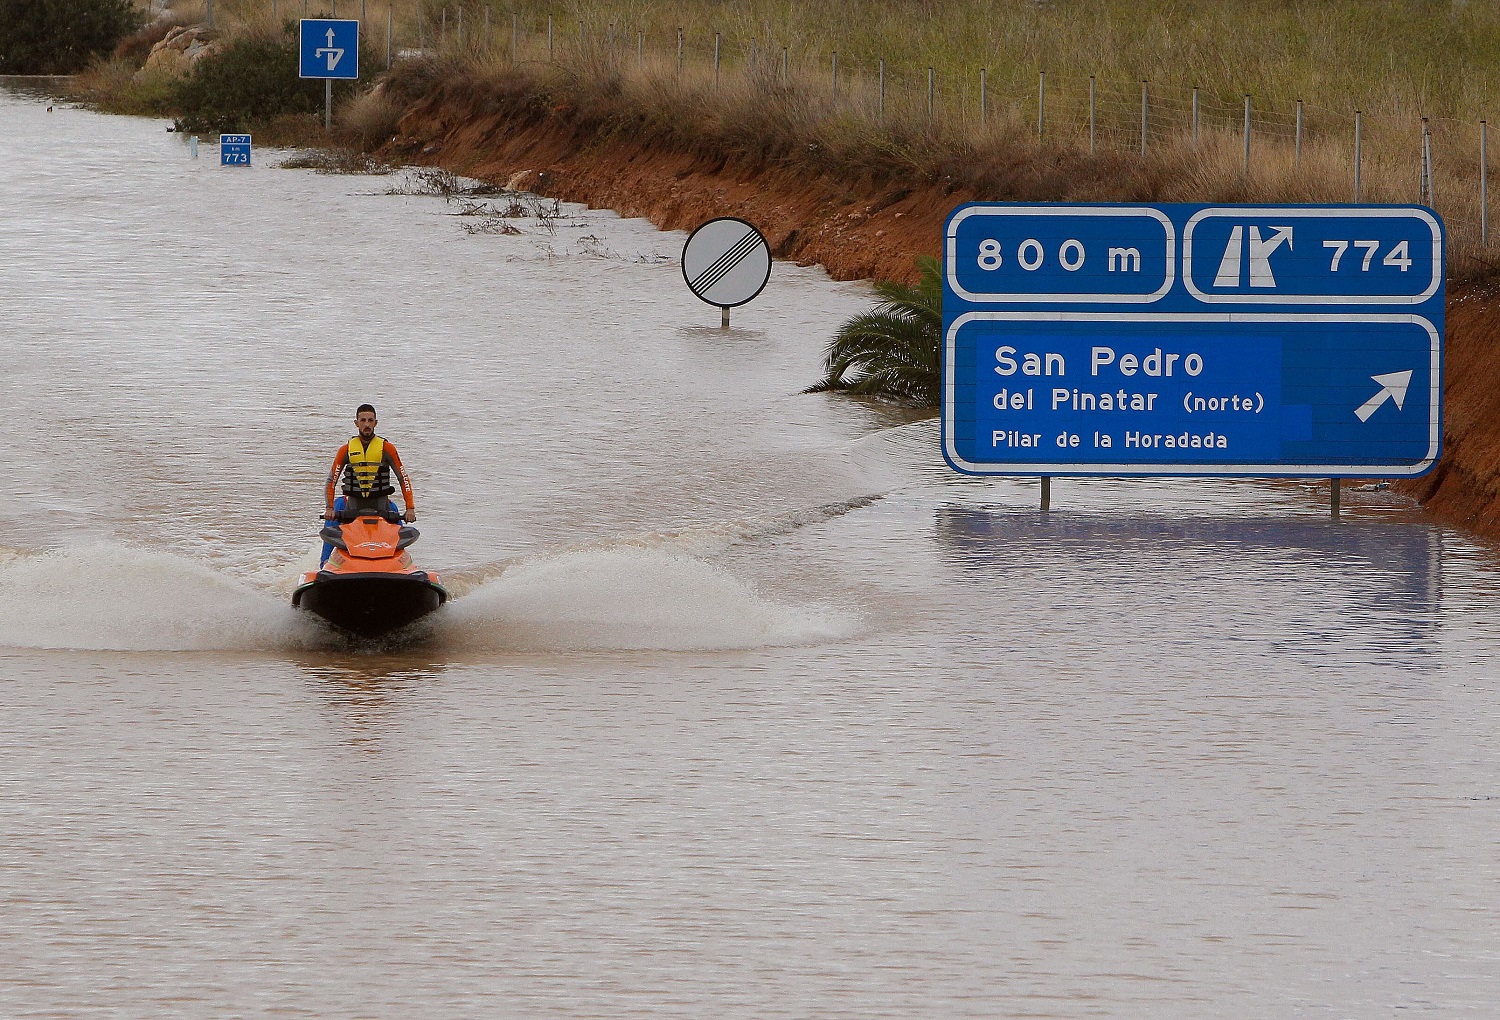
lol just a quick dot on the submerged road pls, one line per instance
(746, 707)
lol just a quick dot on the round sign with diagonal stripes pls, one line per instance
(726, 262)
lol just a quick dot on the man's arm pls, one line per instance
(405, 479)
(338, 465)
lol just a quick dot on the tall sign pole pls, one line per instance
(328, 49)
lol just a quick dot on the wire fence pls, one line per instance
(1298, 151)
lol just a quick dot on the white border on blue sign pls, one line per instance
(1263, 470)
(1322, 212)
(1069, 211)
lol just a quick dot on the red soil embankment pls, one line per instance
(1464, 488)
(861, 228)
(856, 229)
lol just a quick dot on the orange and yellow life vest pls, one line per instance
(366, 462)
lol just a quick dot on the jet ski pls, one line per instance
(369, 587)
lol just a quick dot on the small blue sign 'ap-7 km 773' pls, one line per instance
(1194, 340)
(234, 150)
(329, 48)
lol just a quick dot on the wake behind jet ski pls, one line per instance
(367, 583)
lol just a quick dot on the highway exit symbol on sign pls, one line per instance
(1190, 339)
(329, 48)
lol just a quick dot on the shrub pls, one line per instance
(60, 36)
(118, 85)
(893, 351)
(136, 47)
(372, 118)
(251, 82)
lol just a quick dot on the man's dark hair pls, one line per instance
(362, 408)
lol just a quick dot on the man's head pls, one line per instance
(364, 420)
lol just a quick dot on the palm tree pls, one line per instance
(892, 351)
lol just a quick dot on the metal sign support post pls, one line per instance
(327, 105)
(1046, 492)
(724, 317)
(1334, 495)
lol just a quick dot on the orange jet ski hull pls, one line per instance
(369, 587)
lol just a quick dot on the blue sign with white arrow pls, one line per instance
(1190, 339)
(329, 48)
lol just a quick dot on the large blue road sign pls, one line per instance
(1190, 339)
(329, 48)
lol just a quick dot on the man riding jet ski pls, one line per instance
(366, 582)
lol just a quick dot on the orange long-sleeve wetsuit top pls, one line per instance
(390, 456)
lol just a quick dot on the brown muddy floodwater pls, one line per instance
(745, 708)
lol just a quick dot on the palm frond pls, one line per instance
(892, 350)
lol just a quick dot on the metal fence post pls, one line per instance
(1357, 154)
(1143, 118)
(1247, 137)
(640, 51)
(1422, 165)
(1427, 189)
(209, 16)
(679, 54)
(549, 38)
(786, 59)
(1195, 115)
(1092, 107)
(1041, 106)
(983, 99)
(931, 96)
(1484, 183)
(881, 107)
(390, 35)
(716, 59)
(1297, 159)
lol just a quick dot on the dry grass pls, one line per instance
(371, 117)
(119, 85)
(614, 65)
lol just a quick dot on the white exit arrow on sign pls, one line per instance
(334, 54)
(1392, 387)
